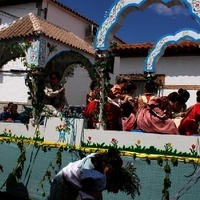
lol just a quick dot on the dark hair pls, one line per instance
(184, 93)
(120, 80)
(129, 87)
(10, 103)
(110, 158)
(150, 86)
(93, 84)
(127, 109)
(175, 97)
(54, 73)
(198, 96)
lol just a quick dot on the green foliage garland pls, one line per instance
(103, 68)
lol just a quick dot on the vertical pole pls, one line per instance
(101, 120)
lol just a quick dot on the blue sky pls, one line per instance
(139, 26)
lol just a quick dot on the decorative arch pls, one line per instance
(159, 47)
(6, 54)
(70, 58)
(121, 8)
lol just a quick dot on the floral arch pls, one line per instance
(158, 49)
(121, 8)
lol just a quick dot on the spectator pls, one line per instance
(6, 114)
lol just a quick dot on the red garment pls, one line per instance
(154, 117)
(189, 124)
(112, 112)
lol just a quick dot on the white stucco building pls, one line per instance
(12, 74)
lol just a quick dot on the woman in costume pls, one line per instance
(189, 125)
(155, 116)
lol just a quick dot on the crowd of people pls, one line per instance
(123, 111)
(9, 112)
(148, 113)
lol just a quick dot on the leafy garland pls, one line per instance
(103, 66)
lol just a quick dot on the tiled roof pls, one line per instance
(32, 25)
(184, 48)
(15, 2)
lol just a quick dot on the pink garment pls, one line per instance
(154, 117)
(128, 123)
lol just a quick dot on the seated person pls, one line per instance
(6, 112)
(11, 114)
(190, 123)
(155, 116)
(54, 95)
(93, 183)
(150, 90)
(93, 94)
(180, 113)
(14, 112)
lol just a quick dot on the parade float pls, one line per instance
(167, 165)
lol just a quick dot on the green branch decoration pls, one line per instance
(103, 66)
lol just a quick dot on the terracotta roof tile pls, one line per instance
(31, 25)
(142, 49)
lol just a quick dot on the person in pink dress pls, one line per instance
(189, 125)
(155, 116)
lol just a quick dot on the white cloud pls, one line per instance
(161, 9)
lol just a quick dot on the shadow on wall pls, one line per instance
(77, 87)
